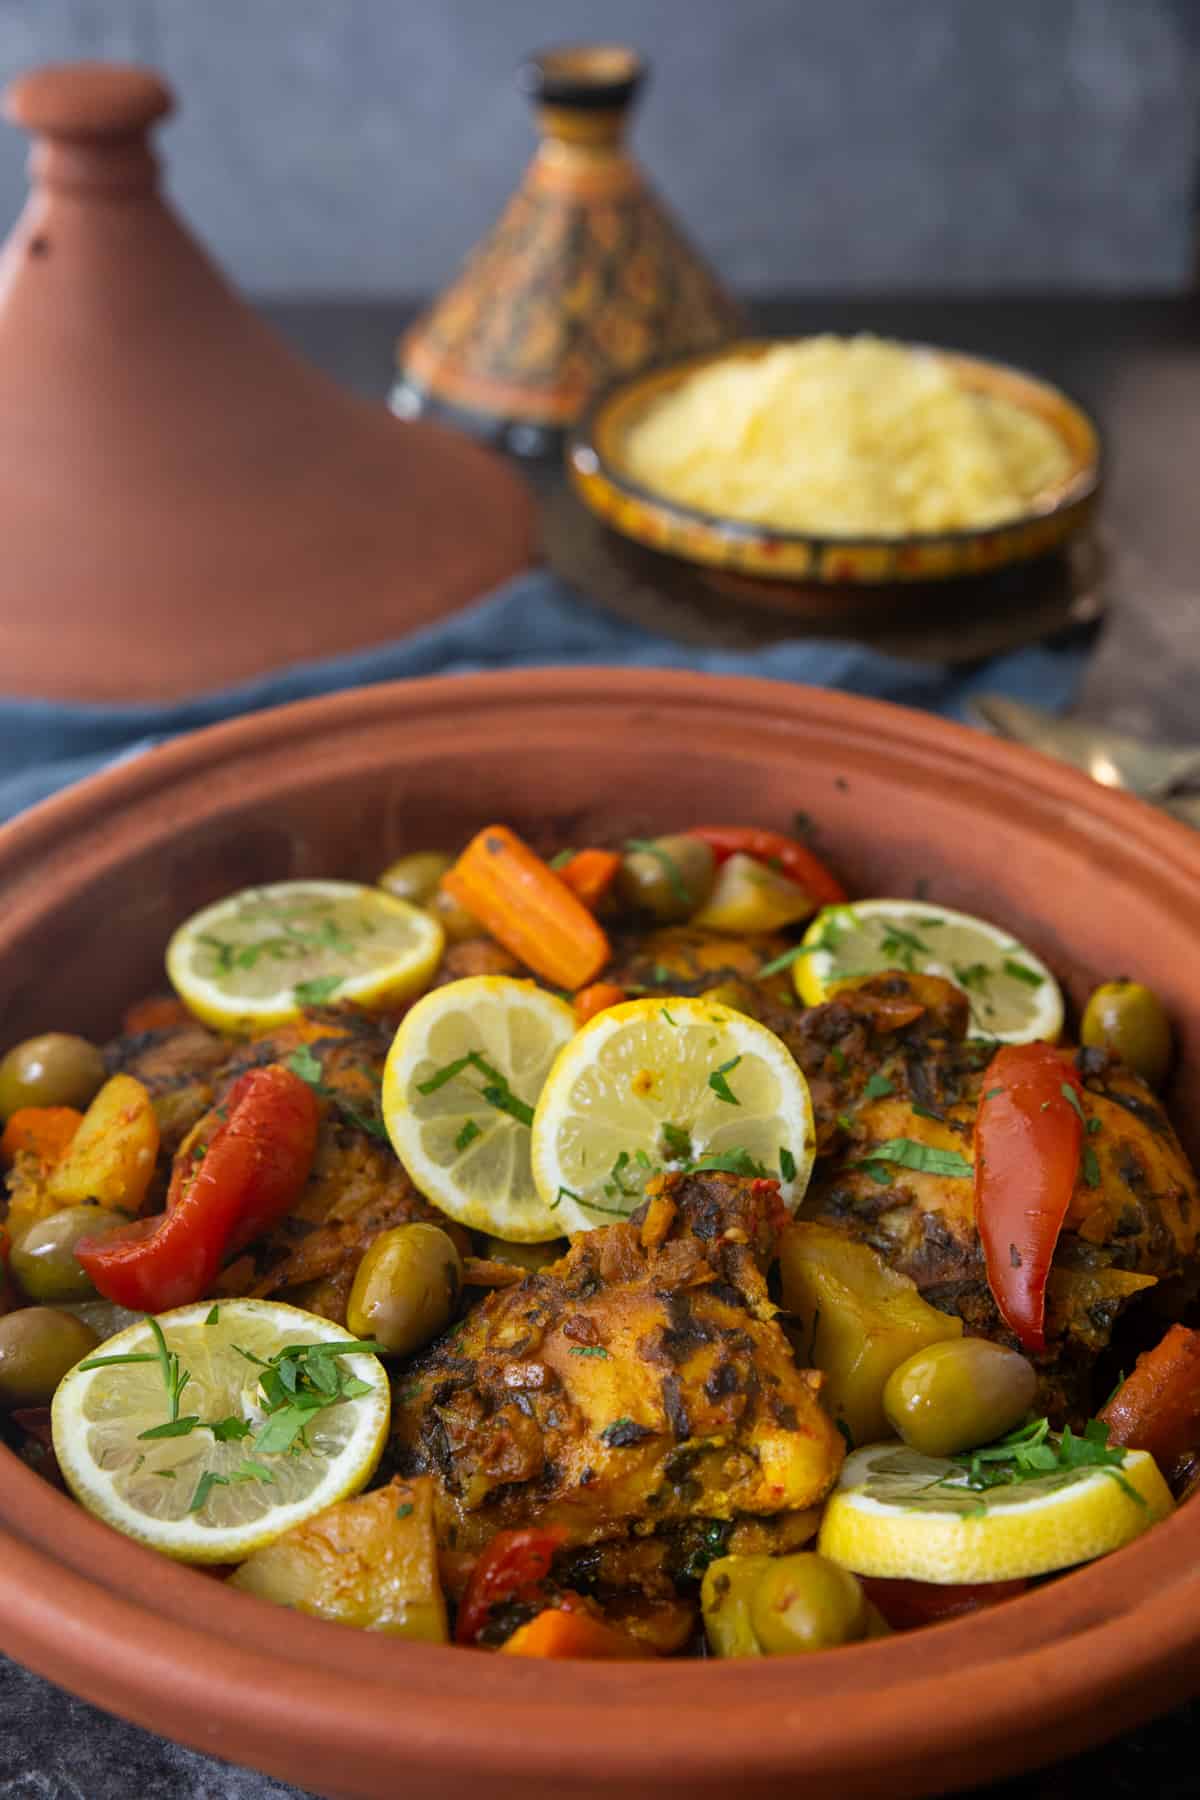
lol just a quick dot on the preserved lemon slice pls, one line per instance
(900, 1515)
(667, 1083)
(461, 1081)
(215, 1479)
(1014, 997)
(259, 957)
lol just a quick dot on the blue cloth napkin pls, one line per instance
(533, 621)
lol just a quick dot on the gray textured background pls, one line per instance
(360, 146)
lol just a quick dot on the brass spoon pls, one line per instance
(1151, 770)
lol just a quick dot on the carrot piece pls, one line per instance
(590, 874)
(557, 1633)
(45, 1131)
(161, 1012)
(1158, 1407)
(596, 999)
(528, 908)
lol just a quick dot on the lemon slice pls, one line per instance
(205, 1496)
(1014, 997)
(259, 957)
(459, 1087)
(892, 1516)
(661, 1084)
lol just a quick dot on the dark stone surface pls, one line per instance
(1137, 363)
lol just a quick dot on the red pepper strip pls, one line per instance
(792, 859)
(253, 1170)
(908, 1604)
(1028, 1138)
(1157, 1408)
(513, 1567)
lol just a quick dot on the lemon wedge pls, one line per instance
(259, 957)
(163, 1431)
(1013, 996)
(459, 1087)
(667, 1083)
(905, 1516)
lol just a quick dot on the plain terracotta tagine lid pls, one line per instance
(183, 501)
(585, 277)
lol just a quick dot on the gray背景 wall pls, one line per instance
(361, 146)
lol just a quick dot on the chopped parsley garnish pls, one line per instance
(495, 1091)
(213, 1315)
(720, 1085)
(559, 860)
(231, 1430)
(678, 886)
(993, 1093)
(307, 1066)
(677, 1140)
(317, 991)
(1032, 1452)
(877, 1087)
(925, 1112)
(1073, 1101)
(173, 1428)
(467, 1135)
(405, 1511)
(589, 1350)
(1019, 972)
(845, 1122)
(1091, 1167)
(779, 963)
(729, 1162)
(564, 1193)
(838, 1058)
(910, 1154)
(787, 1163)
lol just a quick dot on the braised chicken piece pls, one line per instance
(639, 1382)
(889, 1060)
(178, 1065)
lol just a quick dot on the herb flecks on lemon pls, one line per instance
(208, 1431)
(259, 957)
(459, 1089)
(1013, 996)
(659, 1084)
(1030, 1505)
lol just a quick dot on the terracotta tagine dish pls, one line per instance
(585, 278)
(186, 503)
(903, 804)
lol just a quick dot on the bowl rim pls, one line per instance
(586, 458)
(116, 1622)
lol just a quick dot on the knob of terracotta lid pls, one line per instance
(87, 100)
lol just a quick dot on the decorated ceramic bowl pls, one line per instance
(91, 884)
(598, 463)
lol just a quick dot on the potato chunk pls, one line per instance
(111, 1157)
(855, 1319)
(370, 1561)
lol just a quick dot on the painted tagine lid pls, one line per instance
(184, 502)
(585, 278)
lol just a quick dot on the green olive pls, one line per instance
(726, 1591)
(738, 996)
(415, 877)
(406, 1288)
(806, 1602)
(55, 1069)
(457, 923)
(1131, 1021)
(43, 1261)
(525, 1256)
(37, 1347)
(958, 1394)
(670, 878)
